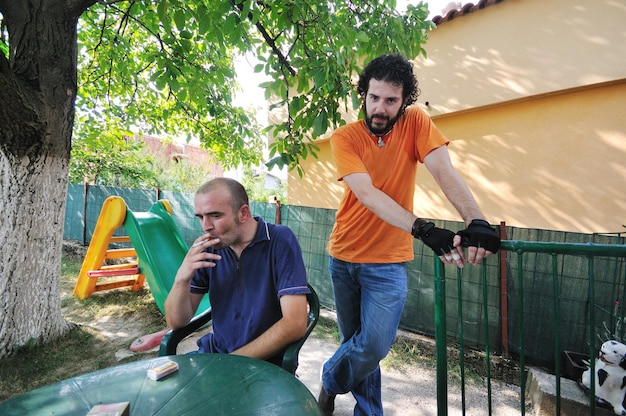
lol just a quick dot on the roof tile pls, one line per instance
(466, 9)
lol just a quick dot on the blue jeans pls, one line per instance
(369, 299)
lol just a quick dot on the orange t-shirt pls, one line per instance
(359, 235)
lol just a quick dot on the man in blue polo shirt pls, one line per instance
(253, 271)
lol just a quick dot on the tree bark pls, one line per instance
(33, 210)
(37, 97)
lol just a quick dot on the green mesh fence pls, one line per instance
(312, 226)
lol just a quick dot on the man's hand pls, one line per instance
(440, 240)
(197, 258)
(482, 240)
(180, 304)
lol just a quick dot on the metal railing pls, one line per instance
(519, 249)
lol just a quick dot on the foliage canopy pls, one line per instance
(167, 66)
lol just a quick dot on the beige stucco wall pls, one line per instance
(522, 48)
(531, 94)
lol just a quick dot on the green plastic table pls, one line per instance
(205, 384)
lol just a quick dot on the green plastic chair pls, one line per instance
(172, 338)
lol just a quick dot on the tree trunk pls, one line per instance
(33, 210)
(37, 97)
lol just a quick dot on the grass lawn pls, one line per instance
(105, 323)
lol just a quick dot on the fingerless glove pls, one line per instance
(440, 240)
(480, 234)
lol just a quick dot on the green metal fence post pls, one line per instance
(486, 319)
(592, 348)
(557, 331)
(522, 364)
(440, 338)
(459, 280)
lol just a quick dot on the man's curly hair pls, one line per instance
(393, 68)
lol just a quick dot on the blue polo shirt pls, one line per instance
(245, 293)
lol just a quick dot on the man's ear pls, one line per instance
(244, 213)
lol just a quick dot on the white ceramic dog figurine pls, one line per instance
(610, 379)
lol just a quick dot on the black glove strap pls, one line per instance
(421, 228)
(481, 223)
(415, 230)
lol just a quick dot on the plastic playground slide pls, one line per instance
(111, 217)
(160, 249)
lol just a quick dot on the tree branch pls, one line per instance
(268, 38)
(77, 7)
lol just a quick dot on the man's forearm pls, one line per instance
(381, 204)
(271, 341)
(178, 308)
(460, 196)
(389, 210)
(452, 185)
(291, 327)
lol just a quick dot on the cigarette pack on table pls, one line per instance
(110, 409)
(162, 370)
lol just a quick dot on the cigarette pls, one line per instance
(199, 243)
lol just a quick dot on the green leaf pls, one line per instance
(362, 37)
(321, 124)
(162, 10)
(180, 19)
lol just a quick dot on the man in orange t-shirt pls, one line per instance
(372, 238)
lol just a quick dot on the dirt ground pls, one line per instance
(410, 392)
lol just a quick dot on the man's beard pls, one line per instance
(229, 238)
(380, 131)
